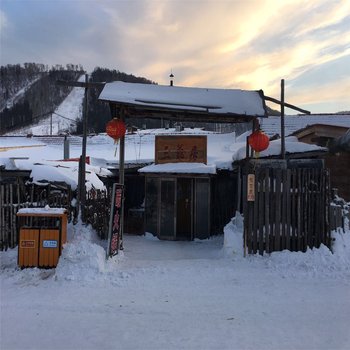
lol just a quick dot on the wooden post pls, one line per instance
(121, 179)
(283, 144)
(239, 190)
(66, 147)
(83, 153)
(86, 85)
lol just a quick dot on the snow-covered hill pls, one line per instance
(62, 121)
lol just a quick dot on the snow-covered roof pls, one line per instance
(180, 168)
(46, 162)
(272, 124)
(191, 103)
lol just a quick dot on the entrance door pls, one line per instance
(184, 209)
(202, 209)
(167, 209)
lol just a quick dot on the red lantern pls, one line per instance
(115, 128)
(258, 141)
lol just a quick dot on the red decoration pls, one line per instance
(115, 128)
(258, 141)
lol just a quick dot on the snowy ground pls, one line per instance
(178, 295)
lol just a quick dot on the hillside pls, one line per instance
(29, 93)
(32, 102)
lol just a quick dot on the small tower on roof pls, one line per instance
(171, 76)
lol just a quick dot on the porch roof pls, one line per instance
(180, 168)
(184, 103)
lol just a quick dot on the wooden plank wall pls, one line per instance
(340, 172)
(290, 211)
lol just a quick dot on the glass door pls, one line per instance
(184, 209)
(167, 216)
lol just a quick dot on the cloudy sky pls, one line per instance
(248, 44)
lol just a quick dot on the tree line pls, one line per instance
(41, 96)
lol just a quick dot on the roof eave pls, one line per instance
(152, 112)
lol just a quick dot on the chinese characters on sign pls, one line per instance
(114, 222)
(251, 188)
(175, 149)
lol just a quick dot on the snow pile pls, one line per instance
(82, 259)
(233, 236)
(316, 261)
(7, 164)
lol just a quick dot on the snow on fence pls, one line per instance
(291, 210)
(14, 196)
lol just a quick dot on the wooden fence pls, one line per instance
(14, 196)
(58, 195)
(286, 209)
(97, 209)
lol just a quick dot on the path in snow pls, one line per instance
(173, 295)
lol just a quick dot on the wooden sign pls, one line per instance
(251, 188)
(27, 243)
(177, 149)
(114, 221)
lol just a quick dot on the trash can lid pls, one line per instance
(42, 211)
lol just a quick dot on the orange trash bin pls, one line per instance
(43, 232)
(28, 247)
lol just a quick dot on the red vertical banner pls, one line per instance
(251, 188)
(114, 220)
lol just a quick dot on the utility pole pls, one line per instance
(283, 137)
(82, 163)
(121, 179)
(82, 189)
(283, 104)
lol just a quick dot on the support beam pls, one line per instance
(288, 105)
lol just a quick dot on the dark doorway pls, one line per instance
(184, 209)
(167, 209)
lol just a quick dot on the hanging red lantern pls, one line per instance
(116, 129)
(258, 141)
